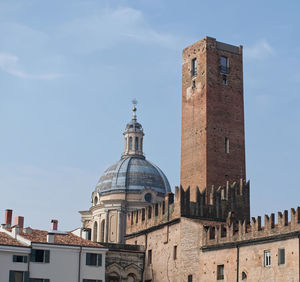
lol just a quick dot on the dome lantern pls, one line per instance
(133, 136)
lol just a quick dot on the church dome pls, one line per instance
(133, 174)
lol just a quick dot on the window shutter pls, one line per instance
(14, 258)
(25, 259)
(88, 258)
(33, 255)
(11, 276)
(26, 276)
(47, 256)
(99, 259)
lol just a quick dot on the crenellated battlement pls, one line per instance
(214, 206)
(153, 215)
(233, 232)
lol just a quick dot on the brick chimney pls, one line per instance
(19, 221)
(8, 217)
(54, 224)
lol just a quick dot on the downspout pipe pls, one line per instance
(237, 262)
(79, 263)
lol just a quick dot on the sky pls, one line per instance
(70, 69)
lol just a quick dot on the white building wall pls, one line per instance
(6, 261)
(64, 264)
(92, 272)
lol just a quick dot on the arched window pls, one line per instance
(95, 231)
(95, 200)
(131, 278)
(126, 144)
(102, 230)
(244, 275)
(136, 143)
(130, 143)
(141, 145)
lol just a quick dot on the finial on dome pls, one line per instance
(134, 103)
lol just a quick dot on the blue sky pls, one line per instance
(68, 73)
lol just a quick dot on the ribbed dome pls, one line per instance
(132, 174)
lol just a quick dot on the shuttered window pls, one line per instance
(40, 256)
(17, 258)
(93, 259)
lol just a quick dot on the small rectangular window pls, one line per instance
(190, 278)
(226, 145)
(175, 253)
(220, 272)
(93, 259)
(281, 256)
(224, 79)
(149, 257)
(19, 258)
(194, 67)
(39, 280)
(267, 258)
(224, 69)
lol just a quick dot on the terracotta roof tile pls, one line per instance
(40, 236)
(7, 240)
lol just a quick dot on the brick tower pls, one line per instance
(212, 138)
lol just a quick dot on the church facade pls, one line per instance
(203, 231)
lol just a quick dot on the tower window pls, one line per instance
(190, 278)
(130, 143)
(267, 258)
(220, 272)
(224, 65)
(194, 67)
(224, 79)
(136, 143)
(226, 145)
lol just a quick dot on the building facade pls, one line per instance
(204, 232)
(32, 255)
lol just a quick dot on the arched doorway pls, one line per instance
(102, 230)
(95, 231)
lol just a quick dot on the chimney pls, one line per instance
(15, 231)
(19, 221)
(8, 217)
(54, 224)
(50, 238)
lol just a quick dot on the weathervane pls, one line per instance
(134, 103)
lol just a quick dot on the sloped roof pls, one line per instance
(5, 239)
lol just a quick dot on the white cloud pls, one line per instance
(107, 28)
(9, 64)
(260, 50)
